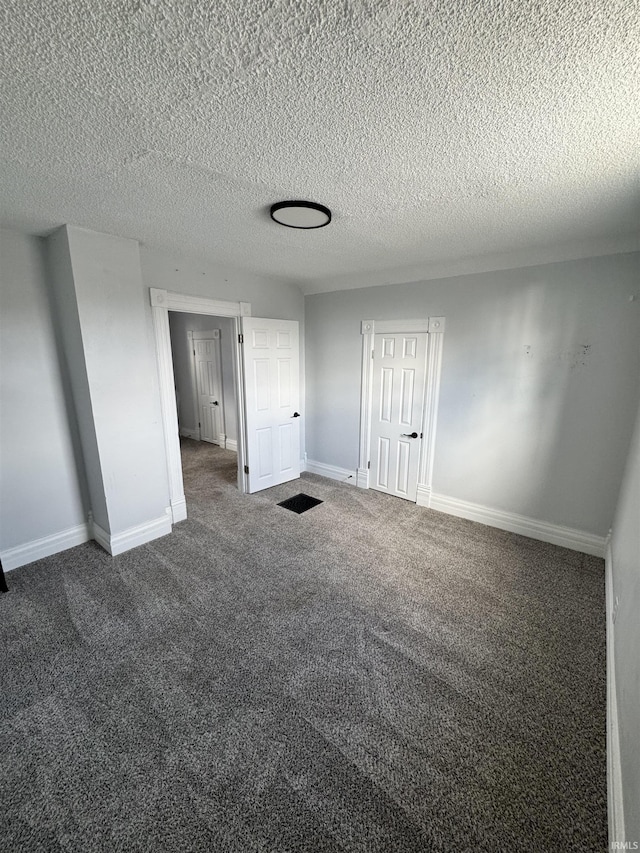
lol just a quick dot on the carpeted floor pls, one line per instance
(367, 676)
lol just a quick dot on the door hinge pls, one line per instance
(240, 339)
(421, 435)
(373, 355)
(368, 464)
(246, 469)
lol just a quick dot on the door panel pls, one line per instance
(272, 366)
(399, 370)
(382, 467)
(407, 396)
(403, 469)
(206, 355)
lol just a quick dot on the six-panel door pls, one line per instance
(396, 418)
(271, 364)
(208, 390)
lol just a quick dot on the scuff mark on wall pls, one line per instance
(574, 357)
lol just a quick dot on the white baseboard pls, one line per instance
(190, 433)
(330, 471)
(362, 478)
(614, 771)
(423, 497)
(231, 444)
(567, 537)
(118, 543)
(178, 510)
(13, 558)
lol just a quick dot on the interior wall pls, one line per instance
(535, 362)
(64, 310)
(104, 291)
(268, 297)
(625, 564)
(41, 488)
(179, 325)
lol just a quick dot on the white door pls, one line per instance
(206, 354)
(271, 367)
(399, 367)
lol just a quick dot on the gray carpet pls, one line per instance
(367, 676)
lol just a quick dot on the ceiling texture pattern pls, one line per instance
(435, 131)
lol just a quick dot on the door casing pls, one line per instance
(163, 301)
(435, 328)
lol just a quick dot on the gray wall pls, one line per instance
(43, 485)
(539, 383)
(64, 310)
(179, 325)
(121, 366)
(268, 297)
(625, 562)
(41, 490)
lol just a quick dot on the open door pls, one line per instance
(271, 360)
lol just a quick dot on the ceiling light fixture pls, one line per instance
(300, 214)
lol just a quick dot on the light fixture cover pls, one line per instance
(300, 214)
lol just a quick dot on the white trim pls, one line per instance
(231, 444)
(168, 408)
(423, 497)
(163, 301)
(178, 510)
(434, 327)
(330, 471)
(241, 397)
(615, 800)
(435, 344)
(169, 301)
(20, 555)
(567, 537)
(102, 537)
(134, 536)
(366, 385)
(362, 478)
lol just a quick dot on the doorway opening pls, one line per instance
(267, 391)
(206, 395)
(162, 302)
(206, 400)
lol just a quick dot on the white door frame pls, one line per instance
(211, 334)
(434, 327)
(163, 301)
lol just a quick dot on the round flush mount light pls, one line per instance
(300, 214)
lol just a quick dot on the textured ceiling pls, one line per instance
(437, 132)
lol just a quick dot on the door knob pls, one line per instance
(295, 415)
(410, 434)
(215, 403)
